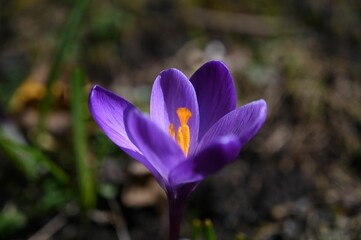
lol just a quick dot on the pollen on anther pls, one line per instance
(183, 131)
(171, 131)
(184, 114)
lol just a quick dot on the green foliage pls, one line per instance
(205, 229)
(209, 232)
(108, 191)
(107, 22)
(86, 178)
(30, 160)
(54, 195)
(11, 220)
(197, 229)
(65, 42)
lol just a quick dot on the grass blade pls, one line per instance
(30, 160)
(197, 229)
(209, 230)
(86, 181)
(65, 41)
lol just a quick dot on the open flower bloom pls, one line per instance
(194, 129)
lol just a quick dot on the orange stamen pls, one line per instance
(183, 132)
(171, 130)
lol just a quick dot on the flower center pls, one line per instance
(183, 132)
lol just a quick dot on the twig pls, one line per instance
(119, 223)
(50, 228)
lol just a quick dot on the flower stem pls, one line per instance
(176, 208)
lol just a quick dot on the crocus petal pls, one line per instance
(173, 90)
(243, 122)
(210, 160)
(158, 148)
(108, 110)
(216, 93)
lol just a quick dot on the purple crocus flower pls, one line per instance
(194, 129)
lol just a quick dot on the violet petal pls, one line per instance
(108, 110)
(173, 90)
(210, 160)
(243, 122)
(158, 148)
(216, 93)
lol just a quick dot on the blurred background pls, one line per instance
(61, 178)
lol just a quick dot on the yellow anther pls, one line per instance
(171, 130)
(183, 132)
(184, 138)
(184, 114)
